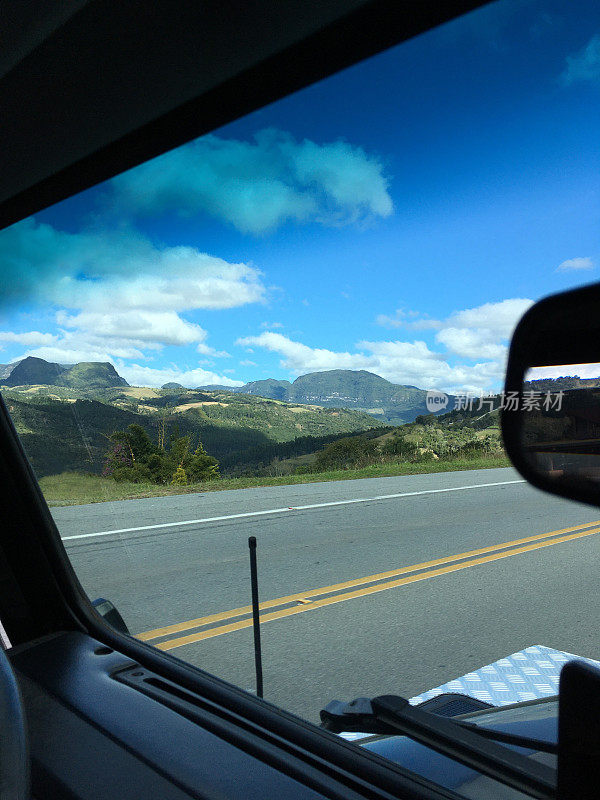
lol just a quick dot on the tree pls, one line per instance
(179, 452)
(135, 442)
(133, 456)
(201, 466)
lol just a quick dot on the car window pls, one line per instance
(295, 329)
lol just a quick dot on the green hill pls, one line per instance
(91, 375)
(429, 439)
(277, 390)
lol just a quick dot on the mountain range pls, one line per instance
(337, 388)
(345, 388)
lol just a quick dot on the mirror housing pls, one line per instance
(551, 430)
(108, 611)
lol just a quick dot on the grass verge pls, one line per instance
(74, 488)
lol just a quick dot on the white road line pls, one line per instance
(284, 510)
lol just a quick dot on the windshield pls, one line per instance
(295, 328)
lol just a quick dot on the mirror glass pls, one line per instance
(560, 430)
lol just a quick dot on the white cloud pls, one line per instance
(472, 343)
(485, 324)
(301, 358)
(583, 66)
(473, 333)
(96, 269)
(145, 328)
(139, 375)
(477, 334)
(411, 363)
(31, 338)
(482, 332)
(271, 325)
(205, 350)
(411, 320)
(247, 363)
(176, 279)
(575, 264)
(69, 349)
(499, 318)
(258, 185)
(117, 295)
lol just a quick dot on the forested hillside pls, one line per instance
(62, 431)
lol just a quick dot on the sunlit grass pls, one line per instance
(74, 488)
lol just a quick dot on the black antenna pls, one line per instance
(255, 617)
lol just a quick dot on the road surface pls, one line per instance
(351, 601)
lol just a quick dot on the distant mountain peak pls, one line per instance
(33, 371)
(93, 374)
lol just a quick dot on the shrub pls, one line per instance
(179, 478)
(303, 469)
(400, 446)
(347, 453)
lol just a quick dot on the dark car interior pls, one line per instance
(87, 90)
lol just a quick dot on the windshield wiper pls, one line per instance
(390, 714)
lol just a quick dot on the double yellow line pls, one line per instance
(208, 627)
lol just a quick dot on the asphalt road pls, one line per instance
(403, 625)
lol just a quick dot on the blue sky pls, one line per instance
(398, 217)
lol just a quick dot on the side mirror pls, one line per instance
(107, 610)
(550, 416)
